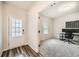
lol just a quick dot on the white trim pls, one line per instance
(1, 52)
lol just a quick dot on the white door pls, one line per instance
(43, 29)
(16, 32)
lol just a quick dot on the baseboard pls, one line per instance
(1, 52)
(15, 47)
(33, 48)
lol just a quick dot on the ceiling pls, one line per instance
(60, 8)
(22, 4)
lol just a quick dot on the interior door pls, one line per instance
(16, 32)
(43, 29)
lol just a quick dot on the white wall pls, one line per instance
(33, 40)
(10, 10)
(59, 23)
(33, 13)
(0, 28)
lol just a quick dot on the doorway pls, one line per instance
(15, 33)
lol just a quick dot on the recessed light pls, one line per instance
(51, 5)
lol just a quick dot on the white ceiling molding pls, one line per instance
(22, 4)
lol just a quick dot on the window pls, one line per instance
(16, 27)
(45, 27)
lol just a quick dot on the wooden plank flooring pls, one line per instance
(24, 51)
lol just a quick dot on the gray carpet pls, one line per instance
(57, 48)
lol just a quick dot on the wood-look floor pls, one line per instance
(24, 51)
